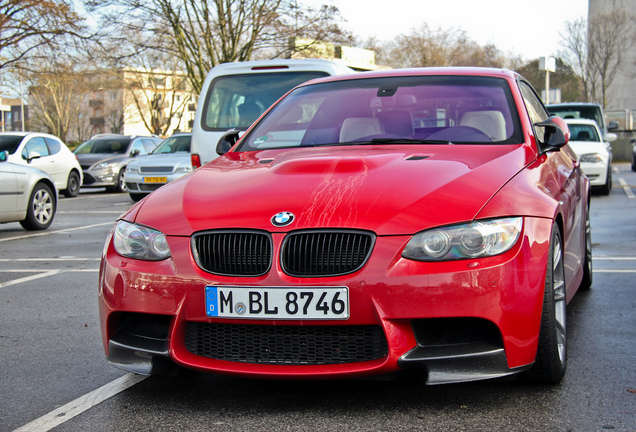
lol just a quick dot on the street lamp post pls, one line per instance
(547, 64)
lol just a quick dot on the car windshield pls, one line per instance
(590, 112)
(583, 132)
(104, 146)
(10, 143)
(174, 145)
(235, 101)
(409, 109)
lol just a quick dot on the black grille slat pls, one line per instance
(325, 253)
(241, 253)
(303, 253)
(156, 169)
(285, 345)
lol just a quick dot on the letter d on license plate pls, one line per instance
(318, 303)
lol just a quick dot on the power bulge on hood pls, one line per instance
(420, 219)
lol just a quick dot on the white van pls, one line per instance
(236, 94)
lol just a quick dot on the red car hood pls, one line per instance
(390, 190)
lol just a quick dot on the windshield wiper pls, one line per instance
(375, 141)
(408, 141)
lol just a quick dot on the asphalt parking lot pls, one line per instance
(55, 376)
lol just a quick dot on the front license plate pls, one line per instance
(319, 303)
(155, 179)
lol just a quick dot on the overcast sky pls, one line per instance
(527, 28)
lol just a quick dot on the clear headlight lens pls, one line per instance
(103, 165)
(139, 242)
(132, 169)
(473, 240)
(592, 158)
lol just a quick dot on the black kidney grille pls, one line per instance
(325, 253)
(286, 344)
(233, 253)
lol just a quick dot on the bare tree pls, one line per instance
(55, 97)
(205, 33)
(26, 26)
(426, 47)
(595, 53)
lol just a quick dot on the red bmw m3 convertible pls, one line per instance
(431, 220)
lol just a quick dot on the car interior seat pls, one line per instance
(492, 123)
(358, 127)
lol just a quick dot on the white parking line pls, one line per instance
(614, 271)
(44, 233)
(38, 276)
(81, 404)
(627, 189)
(606, 258)
(48, 259)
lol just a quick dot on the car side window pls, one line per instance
(137, 145)
(36, 144)
(54, 145)
(536, 109)
(149, 144)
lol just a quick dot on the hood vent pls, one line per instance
(416, 157)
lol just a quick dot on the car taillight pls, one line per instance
(195, 160)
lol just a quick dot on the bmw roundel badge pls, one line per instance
(282, 219)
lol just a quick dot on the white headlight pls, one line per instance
(139, 242)
(473, 240)
(592, 158)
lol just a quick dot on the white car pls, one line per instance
(47, 153)
(28, 195)
(236, 94)
(593, 153)
(169, 161)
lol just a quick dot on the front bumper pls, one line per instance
(137, 183)
(596, 172)
(98, 179)
(456, 321)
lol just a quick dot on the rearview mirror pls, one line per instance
(556, 134)
(227, 141)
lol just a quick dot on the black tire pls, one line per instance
(72, 185)
(136, 196)
(120, 186)
(41, 209)
(551, 361)
(633, 163)
(607, 187)
(586, 283)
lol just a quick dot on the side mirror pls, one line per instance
(33, 155)
(227, 141)
(611, 137)
(612, 125)
(135, 153)
(3, 156)
(556, 134)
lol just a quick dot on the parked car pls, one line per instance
(104, 158)
(28, 195)
(168, 161)
(235, 94)
(586, 110)
(429, 220)
(593, 153)
(47, 153)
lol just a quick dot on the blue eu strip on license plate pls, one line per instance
(317, 303)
